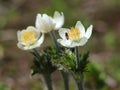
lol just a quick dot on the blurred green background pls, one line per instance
(104, 45)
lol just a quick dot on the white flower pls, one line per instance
(75, 36)
(29, 38)
(58, 19)
(45, 23)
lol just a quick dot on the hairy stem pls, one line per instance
(48, 81)
(65, 79)
(80, 83)
(64, 74)
(80, 80)
(55, 41)
(37, 53)
(77, 56)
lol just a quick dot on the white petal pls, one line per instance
(58, 20)
(20, 46)
(40, 41)
(82, 41)
(35, 30)
(46, 18)
(38, 18)
(31, 28)
(24, 47)
(62, 32)
(37, 44)
(81, 27)
(44, 23)
(18, 35)
(66, 43)
(74, 44)
(89, 31)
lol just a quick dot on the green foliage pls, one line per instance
(98, 75)
(82, 65)
(114, 66)
(49, 60)
(3, 87)
(36, 86)
(66, 61)
(98, 70)
(42, 63)
(78, 74)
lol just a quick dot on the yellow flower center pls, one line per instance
(73, 34)
(28, 38)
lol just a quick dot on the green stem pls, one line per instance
(80, 83)
(80, 80)
(47, 77)
(55, 41)
(64, 75)
(36, 53)
(77, 56)
(48, 81)
(65, 79)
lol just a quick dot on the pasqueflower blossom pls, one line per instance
(45, 23)
(29, 38)
(76, 36)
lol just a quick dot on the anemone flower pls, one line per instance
(45, 23)
(29, 38)
(76, 36)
